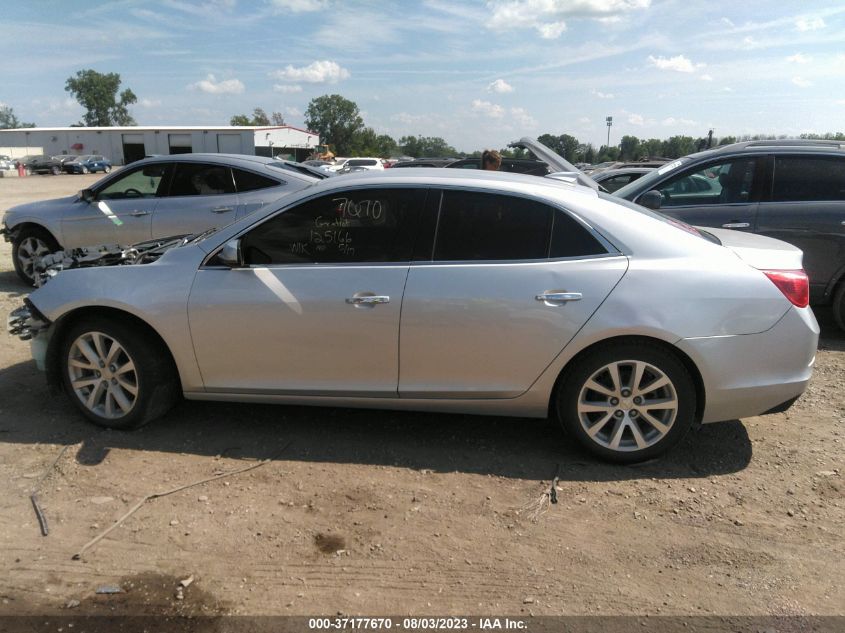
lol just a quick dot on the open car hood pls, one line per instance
(554, 160)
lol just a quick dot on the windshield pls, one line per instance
(641, 185)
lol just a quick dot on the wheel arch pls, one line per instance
(18, 228)
(689, 365)
(52, 360)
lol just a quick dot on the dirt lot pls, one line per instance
(399, 513)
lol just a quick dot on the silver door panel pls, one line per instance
(125, 221)
(478, 330)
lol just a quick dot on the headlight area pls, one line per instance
(26, 321)
(28, 324)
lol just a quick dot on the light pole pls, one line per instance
(609, 124)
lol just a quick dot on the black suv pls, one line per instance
(791, 190)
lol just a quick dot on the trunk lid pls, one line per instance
(763, 253)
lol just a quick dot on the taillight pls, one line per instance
(794, 285)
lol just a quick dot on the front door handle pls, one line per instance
(559, 297)
(221, 209)
(736, 225)
(137, 213)
(368, 301)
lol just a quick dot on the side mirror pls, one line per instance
(651, 199)
(230, 255)
(87, 195)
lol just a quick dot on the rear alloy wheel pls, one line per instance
(106, 169)
(117, 376)
(627, 403)
(84, 169)
(29, 246)
(55, 170)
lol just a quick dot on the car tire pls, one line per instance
(29, 244)
(106, 169)
(600, 406)
(55, 171)
(84, 170)
(116, 374)
(839, 305)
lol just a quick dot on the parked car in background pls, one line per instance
(45, 165)
(514, 296)
(26, 161)
(6, 163)
(423, 162)
(621, 164)
(613, 179)
(151, 198)
(367, 164)
(88, 164)
(789, 190)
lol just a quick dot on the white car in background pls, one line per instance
(362, 164)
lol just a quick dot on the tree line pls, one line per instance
(339, 124)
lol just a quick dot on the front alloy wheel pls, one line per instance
(627, 402)
(28, 249)
(102, 374)
(118, 375)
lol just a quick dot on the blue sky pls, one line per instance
(477, 73)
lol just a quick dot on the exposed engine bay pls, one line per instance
(105, 255)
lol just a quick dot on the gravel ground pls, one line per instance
(369, 512)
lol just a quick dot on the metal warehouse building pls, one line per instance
(123, 145)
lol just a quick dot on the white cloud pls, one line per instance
(552, 30)
(489, 109)
(500, 85)
(679, 63)
(729, 22)
(320, 72)
(584, 120)
(706, 77)
(801, 82)
(636, 119)
(522, 118)
(727, 89)
(799, 58)
(809, 24)
(300, 6)
(292, 111)
(748, 42)
(149, 103)
(840, 102)
(287, 89)
(214, 87)
(670, 121)
(549, 17)
(601, 95)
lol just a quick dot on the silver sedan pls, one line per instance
(152, 198)
(443, 291)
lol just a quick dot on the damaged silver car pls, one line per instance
(149, 199)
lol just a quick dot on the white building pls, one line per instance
(123, 145)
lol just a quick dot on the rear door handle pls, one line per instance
(367, 301)
(221, 209)
(559, 297)
(736, 225)
(137, 213)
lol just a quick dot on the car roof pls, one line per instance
(241, 160)
(773, 146)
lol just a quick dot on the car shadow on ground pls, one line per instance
(12, 286)
(521, 448)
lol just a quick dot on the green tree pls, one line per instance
(368, 143)
(629, 148)
(9, 121)
(337, 120)
(607, 153)
(426, 147)
(652, 148)
(565, 145)
(96, 92)
(677, 146)
(259, 117)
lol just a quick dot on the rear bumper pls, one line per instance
(754, 374)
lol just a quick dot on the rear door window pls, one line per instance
(200, 179)
(808, 179)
